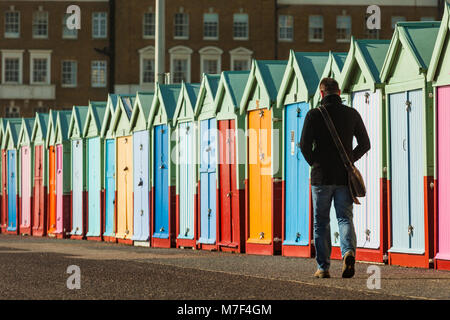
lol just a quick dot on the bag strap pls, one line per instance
(337, 140)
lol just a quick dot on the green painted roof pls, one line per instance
(81, 114)
(98, 112)
(146, 99)
(192, 90)
(29, 123)
(169, 94)
(236, 81)
(374, 53)
(422, 37)
(64, 121)
(272, 72)
(213, 81)
(340, 57)
(311, 65)
(14, 125)
(128, 103)
(43, 120)
(114, 99)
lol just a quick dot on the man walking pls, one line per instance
(329, 177)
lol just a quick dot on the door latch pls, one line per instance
(229, 194)
(162, 229)
(336, 237)
(408, 105)
(261, 113)
(367, 235)
(410, 230)
(162, 166)
(261, 235)
(297, 236)
(186, 233)
(366, 97)
(299, 112)
(141, 183)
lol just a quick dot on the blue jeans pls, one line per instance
(343, 204)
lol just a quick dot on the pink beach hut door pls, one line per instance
(443, 172)
(59, 188)
(26, 187)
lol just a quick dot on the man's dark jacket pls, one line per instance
(318, 147)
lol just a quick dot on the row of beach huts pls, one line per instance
(217, 165)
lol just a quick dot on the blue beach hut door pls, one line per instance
(94, 180)
(110, 187)
(296, 178)
(161, 191)
(208, 133)
(12, 200)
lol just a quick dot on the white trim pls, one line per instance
(240, 53)
(12, 54)
(210, 53)
(11, 35)
(181, 52)
(40, 54)
(101, 36)
(147, 52)
(34, 36)
(144, 36)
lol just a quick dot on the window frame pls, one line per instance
(147, 53)
(144, 36)
(240, 53)
(349, 30)
(93, 21)
(180, 53)
(311, 39)
(12, 35)
(14, 54)
(183, 37)
(12, 115)
(96, 85)
(247, 27)
(33, 26)
(217, 27)
(68, 36)
(72, 85)
(40, 54)
(286, 28)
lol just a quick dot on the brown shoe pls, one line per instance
(348, 267)
(322, 274)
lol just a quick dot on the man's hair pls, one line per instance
(329, 86)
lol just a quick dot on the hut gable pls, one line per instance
(164, 104)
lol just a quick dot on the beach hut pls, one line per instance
(184, 122)
(124, 168)
(263, 172)
(9, 144)
(50, 146)
(109, 174)
(162, 166)
(207, 164)
(62, 146)
(296, 92)
(439, 74)
(232, 155)
(25, 150)
(410, 132)
(94, 171)
(141, 163)
(40, 168)
(78, 175)
(3, 209)
(360, 82)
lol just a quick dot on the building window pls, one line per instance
(427, 19)
(12, 24)
(68, 33)
(148, 70)
(211, 26)
(315, 28)
(99, 25)
(12, 112)
(69, 74)
(98, 74)
(11, 66)
(180, 64)
(395, 19)
(240, 26)
(149, 25)
(285, 28)
(12, 70)
(343, 28)
(210, 60)
(40, 66)
(372, 33)
(40, 24)
(240, 59)
(181, 26)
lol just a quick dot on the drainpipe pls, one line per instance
(160, 41)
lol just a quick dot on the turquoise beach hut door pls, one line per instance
(110, 187)
(12, 198)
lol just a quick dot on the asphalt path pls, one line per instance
(37, 268)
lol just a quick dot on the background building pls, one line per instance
(44, 65)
